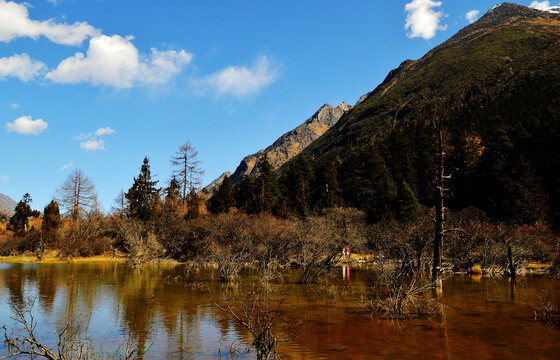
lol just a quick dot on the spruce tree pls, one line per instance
(51, 222)
(268, 192)
(143, 195)
(19, 222)
(296, 186)
(223, 198)
(406, 204)
(326, 190)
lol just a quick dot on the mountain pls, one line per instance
(506, 47)
(495, 85)
(217, 181)
(289, 144)
(7, 205)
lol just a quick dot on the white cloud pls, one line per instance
(14, 106)
(5, 178)
(421, 20)
(115, 61)
(104, 131)
(472, 15)
(540, 5)
(91, 141)
(21, 66)
(15, 23)
(26, 126)
(240, 81)
(545, 6)
(54, 2)
(66, 166)
(93, 145)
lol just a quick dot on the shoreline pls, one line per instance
(52, 258)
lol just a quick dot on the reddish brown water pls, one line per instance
(172, 318)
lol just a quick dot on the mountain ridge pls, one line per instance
(288, 144)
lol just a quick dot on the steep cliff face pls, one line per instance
(289, 144)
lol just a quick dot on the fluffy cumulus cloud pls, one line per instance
(472, 15)
(15, 23)
(240, 81)
(115, 61)
(422, 21)
(545, 6)
(21, 67)
(25, 125)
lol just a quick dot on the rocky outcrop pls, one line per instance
(7, 205)
(290, 144)
(217, 181)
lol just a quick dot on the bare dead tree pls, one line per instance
(73, 343)
(439, 205)
(258, 313)
(321, 239)
(120, 205)
(188, 172)
(399, 295)
(77, 194)
(547, 312)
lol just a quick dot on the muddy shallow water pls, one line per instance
(173, 318)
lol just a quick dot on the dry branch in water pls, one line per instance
(258, 313)
(404, 296)
(73, 343)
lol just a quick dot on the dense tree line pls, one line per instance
(503, 154)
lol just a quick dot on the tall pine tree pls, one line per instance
(143, 195)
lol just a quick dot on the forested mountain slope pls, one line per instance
(495, 85)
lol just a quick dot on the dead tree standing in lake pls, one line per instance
(439, 205)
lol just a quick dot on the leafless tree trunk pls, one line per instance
(439, 206)
(259, 314)
(121, 204)
(77, 194)
(73, 343)
(188, 171)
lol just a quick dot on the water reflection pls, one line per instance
(170, 317)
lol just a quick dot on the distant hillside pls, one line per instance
(7, 205)
(290, 144)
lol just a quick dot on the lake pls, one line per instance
(169, 312)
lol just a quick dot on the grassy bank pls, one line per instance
(52, 257)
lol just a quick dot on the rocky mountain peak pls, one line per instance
(7, 205)
(291, 143)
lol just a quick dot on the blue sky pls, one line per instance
(99, 84)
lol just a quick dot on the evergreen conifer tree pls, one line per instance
(143, 195)
(19, 222)
(51, 222)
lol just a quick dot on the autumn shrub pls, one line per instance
(399, 295)
(139, 240)
(31, 242)
(320, 240)
(84, 237)
(407, 243)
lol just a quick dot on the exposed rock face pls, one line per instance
(7, 205)
(290, 144)
(217, 181)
